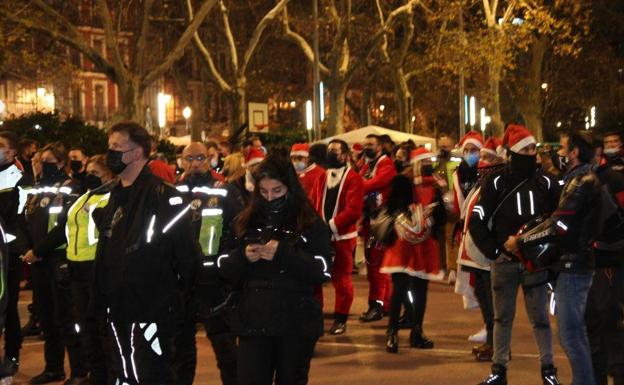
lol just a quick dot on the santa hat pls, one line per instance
(472, 137)
(493, 146)
(419, 154)
(357, 147)
(300, 149)
(517, 137)
(255, 156)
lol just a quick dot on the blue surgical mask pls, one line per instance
(472, 158)
(299, 166)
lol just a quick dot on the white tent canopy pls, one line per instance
(180, 140)
(359, 136)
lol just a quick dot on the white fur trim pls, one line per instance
(300, 153)
(332, 226)
(253, 161)
(523, 143)
(411, 272)
(473, 141)
(489, 151)
(345, 236)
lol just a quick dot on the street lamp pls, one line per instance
(544, 86)
(473, 112)
(309, 118)
(592, 116)
(322, 101)
(482, 119)
(382, 108)
(163, 99)
(186, 112)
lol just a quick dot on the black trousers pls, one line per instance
(412, 293)
(604, 318)
(54, 307)
(143, 353)
(261, 360)
(13, 333)
(92, 332)
(483, 292)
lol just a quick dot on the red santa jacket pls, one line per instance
(309, 176)
(348, 209)
(382, 175)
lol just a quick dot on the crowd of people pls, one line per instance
(126, 253)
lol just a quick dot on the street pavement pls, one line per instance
(359, 356)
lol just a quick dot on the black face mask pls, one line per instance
(197, 179)
(76, 166)
(426, 170)
(523, 166)
(333, 161)
(92, 182)
(114, 161)
(277, 205)
(398, 165)
(370, 153)
(49, 171)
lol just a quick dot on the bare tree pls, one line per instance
(341, 63)
(142, 68)
(234, 83)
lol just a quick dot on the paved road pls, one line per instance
(359, 357)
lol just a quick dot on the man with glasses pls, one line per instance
(146, 262)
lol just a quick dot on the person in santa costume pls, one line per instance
(464, 178)
(338, 197)
(412, 260)
(508, 199)
(246, 184)
(308, 173)
(473, 276)
(377, 172)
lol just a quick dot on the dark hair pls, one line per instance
(318, 154)
(344, 147)
(227, 144)
(376, 137)
(386, 139)
(618, 133)
(137, 135)
(211, 144)
(25, 143)
(401, 195)
(10, 137)
(582, 141)
(81, 149)
(277, 166)
(58, 150)
(246, 143)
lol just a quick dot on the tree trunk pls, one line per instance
(403, 99)
(131, 100)
(365, 105)
(335, 119)
(496, 125)
(533, 121)
(530, 98)
(239, 109)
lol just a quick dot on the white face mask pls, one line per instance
(299, 166)
(214, 163)
(250, 184)
(607, 151)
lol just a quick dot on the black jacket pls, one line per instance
(576, 222)
(534, 197)
(276, 298)
(146, 258)
(12, 191)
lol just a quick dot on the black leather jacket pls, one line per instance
(575, 223)
(276, 298)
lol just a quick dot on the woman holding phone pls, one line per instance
(282, 250)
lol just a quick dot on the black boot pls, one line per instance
(497, 377)
(338, 328)
(549, 375)
(405, 322)
(374, 313)
(418, 339)
(392, 340)
(32, 327)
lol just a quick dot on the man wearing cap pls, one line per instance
(377, 173)
(338, 197)
(510, 198)
(308, 173)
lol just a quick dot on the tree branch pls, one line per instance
(257, 34)
(229, 36)
(139, 52)
(111, 39)
(178, 50)
(301, 42)
(205, 53)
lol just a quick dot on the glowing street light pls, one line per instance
(322, 101)
(544, 86)
(41, 92)
(482, 118)
(473, 111)
(559, 124)
(2, 107)
(382, 108)
(308, 107)
(186, 112)
(592, 116)
(162, 100)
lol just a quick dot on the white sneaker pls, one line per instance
(480, 336)
(452, 277)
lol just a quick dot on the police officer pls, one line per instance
(48, 202)
(13, 186)
(510, 198)
(212, 207)
(145, 262)
(77, 231)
